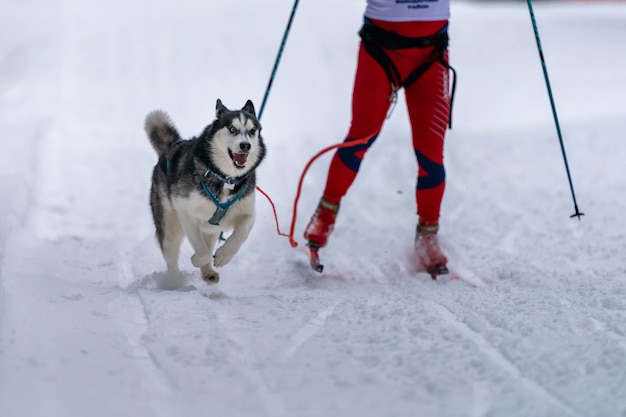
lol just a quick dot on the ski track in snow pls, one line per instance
(499, 359)
(130, 311)
(308, 330)
(251, 367)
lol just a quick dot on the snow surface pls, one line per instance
(86, 331)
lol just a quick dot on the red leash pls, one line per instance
(313, 255)
(290, 236)
(291, 240)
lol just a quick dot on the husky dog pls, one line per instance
(204, 186)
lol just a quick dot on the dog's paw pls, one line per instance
(224, 254)
(210, 275)
(200, 261)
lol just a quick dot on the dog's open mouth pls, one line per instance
(239, 159)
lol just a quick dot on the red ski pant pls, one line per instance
(428, 105)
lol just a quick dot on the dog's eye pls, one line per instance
(232, 130)
(252, 131)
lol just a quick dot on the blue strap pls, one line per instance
(222, 208)
(220, 178)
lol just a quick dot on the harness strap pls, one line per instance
(229, 182)
(375, 40)
(222, 208)
(369, 36)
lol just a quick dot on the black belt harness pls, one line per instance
(376, 40)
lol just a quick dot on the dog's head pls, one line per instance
(236, 144)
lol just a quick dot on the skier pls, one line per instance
(404, 44)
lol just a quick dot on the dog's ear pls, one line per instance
(220, 109)
(249, 108)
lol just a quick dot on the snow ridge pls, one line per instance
(498, 358)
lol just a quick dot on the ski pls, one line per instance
(314, 257)
(465, 275)
(438, 273)
(437, 270)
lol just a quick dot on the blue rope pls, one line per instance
(556, 119)
(280, 53)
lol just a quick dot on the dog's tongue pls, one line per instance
(240, 159)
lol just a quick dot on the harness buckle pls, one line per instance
(393, 99)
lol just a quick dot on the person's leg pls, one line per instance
(370, 103)
(428, 104)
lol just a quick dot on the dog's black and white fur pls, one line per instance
(204, 186)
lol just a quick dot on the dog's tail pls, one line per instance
(161, 131)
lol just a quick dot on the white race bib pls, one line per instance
(408, 10)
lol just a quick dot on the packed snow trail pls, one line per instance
(536, 327)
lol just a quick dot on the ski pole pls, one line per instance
(278, 56)
(556, 119)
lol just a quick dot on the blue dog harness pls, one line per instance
(222, 208)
